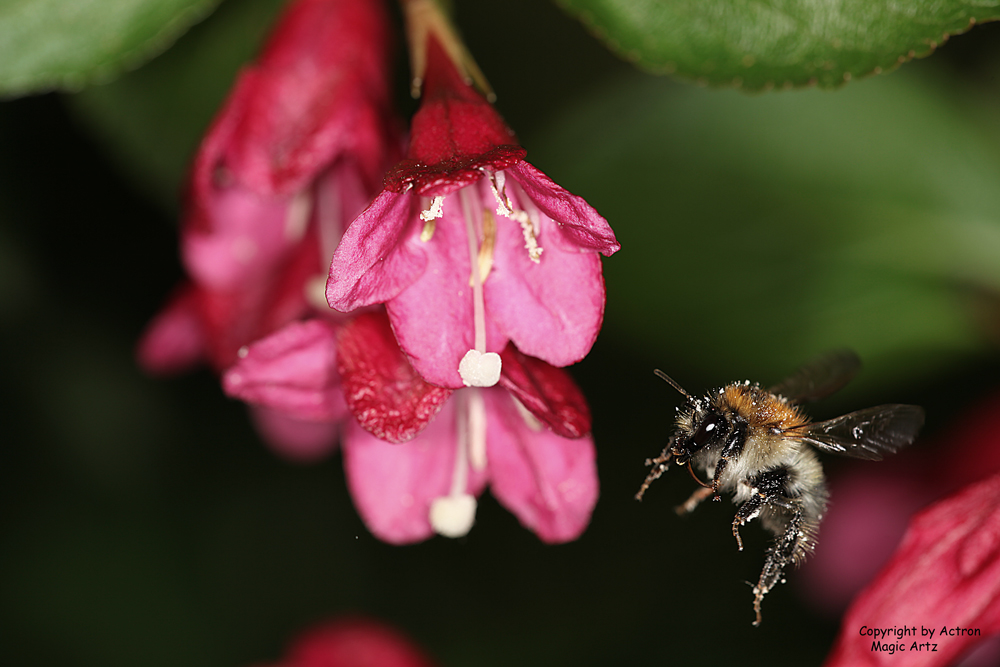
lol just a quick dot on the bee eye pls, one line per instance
(708, 429)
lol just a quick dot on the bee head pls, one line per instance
(704, 428)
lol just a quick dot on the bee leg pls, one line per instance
(660, 465)
(747, 512)
(785, 549)
(766, 489)
(786, 520)
(719, 468)
(733, 448)
(691, 503)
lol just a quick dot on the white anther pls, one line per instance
(453, 516)
(480, 369)
(433, 211)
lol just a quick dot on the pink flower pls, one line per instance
(527, 441)
(353, 643)
(945, 577)
(864, 525)
(295, 153)
(538, 279)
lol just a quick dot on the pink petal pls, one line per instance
(292, 370)
(945, 574)
(382, 390)
(549, 393)
(552, 309)
(316, 95)
(318, 89)
(354, 642)
(393, 485)
(375, 261)
(581, 224)
(548, 482)
(861, 529)
(247, 237)
(260, 304)
(298, 440)
(174, 341)
(433, 318)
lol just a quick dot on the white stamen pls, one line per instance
(480, 369)
(433, 211)
(297, 217)
(315, 291)
(478, 307)
(506, 208)
(477, 430)
(529, 419)
(498, 178)
(528, 230)
(453, 516)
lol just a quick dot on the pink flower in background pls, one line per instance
(944, 575)
(295, 153)
(465, 197)
(527, 440)
(871, 507)
(353, 642)
(291, 380)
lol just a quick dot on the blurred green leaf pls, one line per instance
(781, 43)
(759, 231)
(152, 119)
(46, 44)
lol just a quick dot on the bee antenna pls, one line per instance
(669, 380)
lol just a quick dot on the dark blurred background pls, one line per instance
(143, 522)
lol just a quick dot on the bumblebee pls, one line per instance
(759, 445)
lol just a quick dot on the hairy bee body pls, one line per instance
(764, 454)
(758, 445)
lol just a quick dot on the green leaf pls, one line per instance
(758, 231)
(152, 119)
(769, 44)
(49, 44)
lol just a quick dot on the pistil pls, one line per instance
(478, 368)
(453, 515)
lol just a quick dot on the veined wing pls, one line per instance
(866, 434)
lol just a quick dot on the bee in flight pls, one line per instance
(758, 445)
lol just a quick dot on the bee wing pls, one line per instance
(866, 434)
(820, 377)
